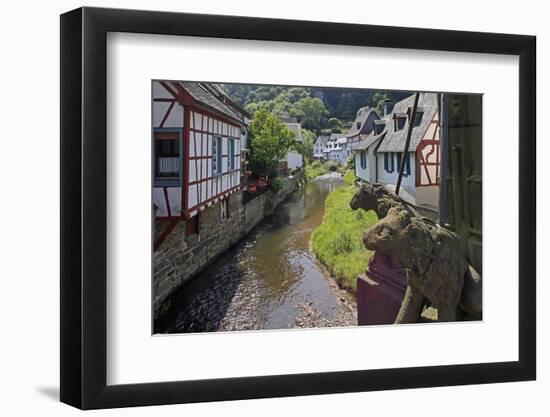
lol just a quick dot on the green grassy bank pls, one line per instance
(317, 168)
(337, 242)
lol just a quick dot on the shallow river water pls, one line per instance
(269, 280)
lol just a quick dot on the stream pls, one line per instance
(269, 280)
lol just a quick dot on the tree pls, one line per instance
(336, 125)
(306, 146)
(378, 99)
(270, 142)
(309, 111)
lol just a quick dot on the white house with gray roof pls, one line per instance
(336, 149)
(293, 158)
(319, 146)
(361, 126)
(378, 155)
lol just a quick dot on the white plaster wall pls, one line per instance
(407, 182)
(361, 172)
(294, 160)
(428, 196)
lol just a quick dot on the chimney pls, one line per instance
(388, 107)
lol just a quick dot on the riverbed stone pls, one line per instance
(179, 258)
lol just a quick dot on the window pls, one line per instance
(400, 122)
(167, 157)
(407, 169)
(378, 128)
(418, 118)
(363, 159)
(216, 155)
(388, 162)
(231, 156)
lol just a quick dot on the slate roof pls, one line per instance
(359, 122)
(205, 97)
(323, 138)
(394, 141)
(366, 142)
(297, 129)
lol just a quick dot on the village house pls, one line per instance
(197, 201)
(378, 155)
(197, 150)
(335, 149)
(361, 126)
(198, 207)
(319, 146)
(294, 159)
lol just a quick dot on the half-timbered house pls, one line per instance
(197, 152)
(378, 156)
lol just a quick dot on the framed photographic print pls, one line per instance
(255, 208)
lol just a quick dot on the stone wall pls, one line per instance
(179, 258)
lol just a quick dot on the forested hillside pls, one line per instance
(315, 108)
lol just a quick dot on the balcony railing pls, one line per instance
(168, 167)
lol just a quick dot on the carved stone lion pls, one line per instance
(437, 268)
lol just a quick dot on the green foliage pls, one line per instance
(277, 184)
(306, 146)
(270, 141)
(378, 99)
(327, 110)
(309, 111)
(337, 242)
(350, 163)
(349, 177)
(317, 168)
(336, 125)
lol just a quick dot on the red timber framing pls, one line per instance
(428, 157)
(197, 155)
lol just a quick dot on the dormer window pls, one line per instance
(358, 124)
(399, 121)
(379, 126)
(417, 116)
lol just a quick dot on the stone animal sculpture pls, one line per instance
(436, 266)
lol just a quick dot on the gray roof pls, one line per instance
(204, 96)
(368, 141)
(359, 122)
(296, 128)
(322, 138)
(334, 136)
(394, 141)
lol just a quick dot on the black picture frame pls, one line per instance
(84, 207)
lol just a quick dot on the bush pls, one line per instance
(277, 184)
(337, 242)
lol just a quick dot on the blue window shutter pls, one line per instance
(408, 165)
(386, 161)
